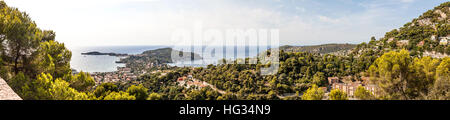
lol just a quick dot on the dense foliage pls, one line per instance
(402, 77)
(337, 94)
(38, 68)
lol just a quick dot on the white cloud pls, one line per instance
(328, 19)
(151, 22)
(407, 1)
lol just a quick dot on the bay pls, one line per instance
(104, 63)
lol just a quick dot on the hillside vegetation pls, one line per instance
(423, 34)
(322, 49)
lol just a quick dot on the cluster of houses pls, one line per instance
(348, 86)
(442, 41)
(148, 65)
(121, 75)
(189, 81)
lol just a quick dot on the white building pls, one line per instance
(444, 40)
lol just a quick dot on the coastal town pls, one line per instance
(123, 74)
(149, 62)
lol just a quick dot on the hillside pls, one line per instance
(322, 49)
(429, 33)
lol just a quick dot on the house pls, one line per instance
(444, 40)
(350, 87)
(402, 42)
(433, 37)
(181, 79)
(421, 43)
(189, 77)
(390, 40)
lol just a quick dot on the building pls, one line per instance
(390, 40)
(421, 43)
(402, 42)
(372, 88)
(444, 40)
(350, 87)
(433, 37)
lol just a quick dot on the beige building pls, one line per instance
(350, 87)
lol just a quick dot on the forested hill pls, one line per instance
(322, 49)
(162, 55)
(427, 33)
(167, 53)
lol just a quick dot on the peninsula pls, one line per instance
(100, 53)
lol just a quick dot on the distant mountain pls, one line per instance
(322, 49)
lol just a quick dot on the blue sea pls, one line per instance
(104, 63)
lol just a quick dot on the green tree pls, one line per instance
(272, 95)
(61, 91)
(337, 94)
(424, 70)
(18, 81)
(38, 89)
(391, 73)
(319, 79)
(119, 96)
(363, 94)
(154, 96)
(20, 34)
(313, 93)
(82, 81)
(48, 35)
(441, 88)
(53, 57)
(140, 92)
(45, 87)
(104, 89)
(372, 40)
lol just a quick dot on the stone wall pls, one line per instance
(6, 93)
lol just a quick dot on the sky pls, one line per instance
(153, 22)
